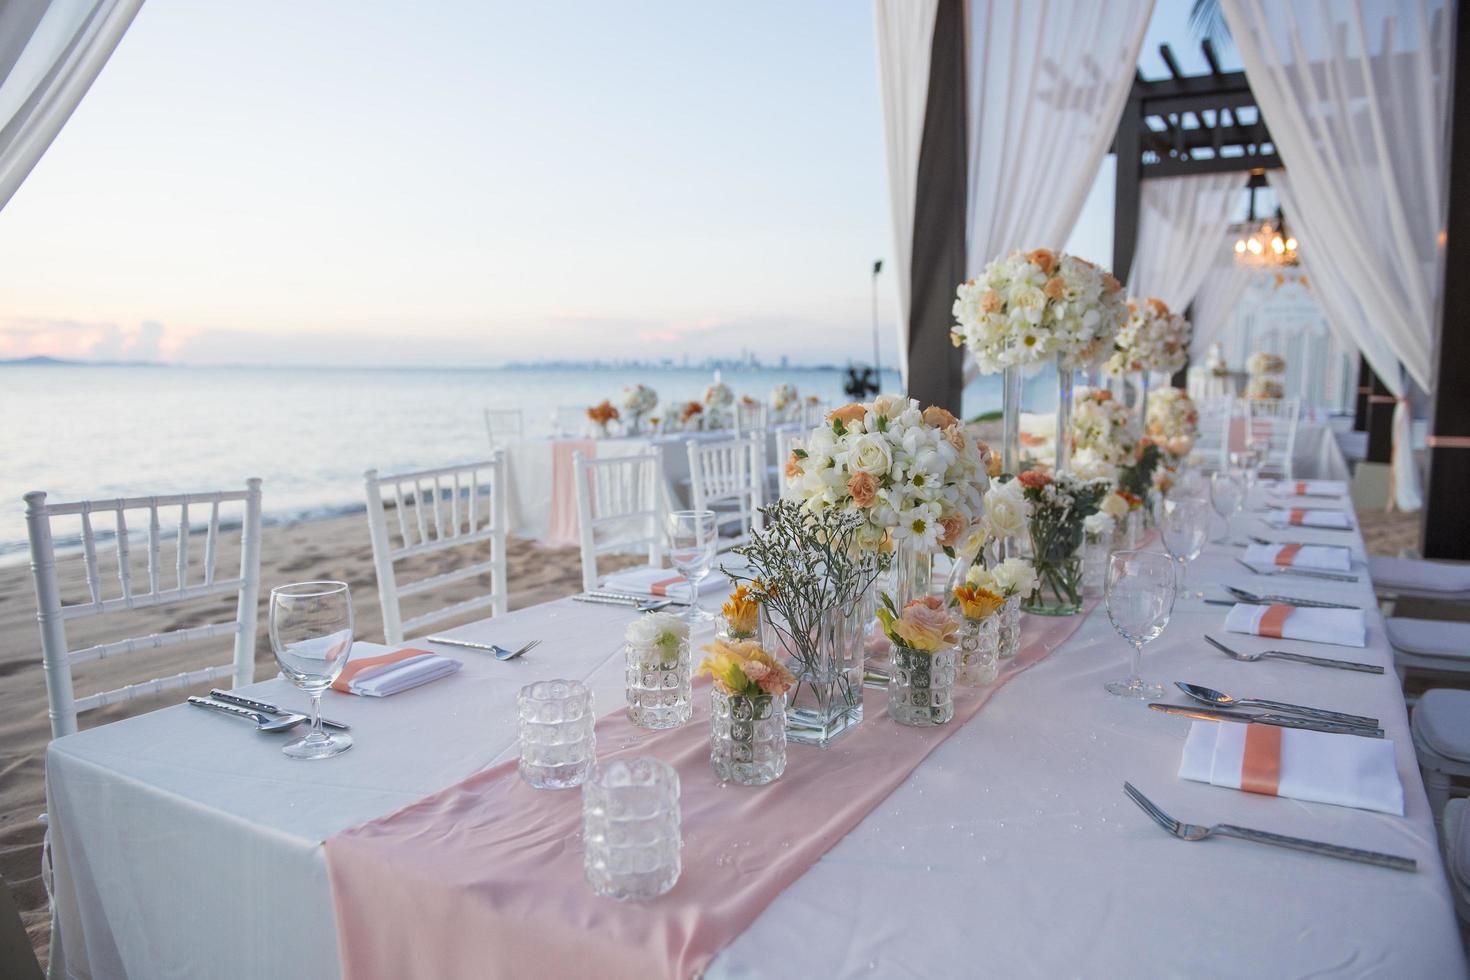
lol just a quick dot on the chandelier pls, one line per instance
(1268, 245)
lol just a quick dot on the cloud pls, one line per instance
(34, 337)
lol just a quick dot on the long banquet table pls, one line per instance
(186, 845)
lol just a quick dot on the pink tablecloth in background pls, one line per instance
(484, 879)
(562, 527)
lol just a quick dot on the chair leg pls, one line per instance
(1437, 788)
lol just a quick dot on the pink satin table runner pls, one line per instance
(562, 525)
(484, 879)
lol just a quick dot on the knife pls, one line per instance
(1286, 600)
(1280, 721)
(230, 697)
(634, 596)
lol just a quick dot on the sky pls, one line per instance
(370, 183)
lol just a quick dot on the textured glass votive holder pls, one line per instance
(659, 685)
(1010, 627)
(630, 828)
(978, 655)
(747, 737)
(558, 744)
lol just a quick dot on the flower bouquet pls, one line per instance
(638, 401)
(747, 712)
(1152, 339)
(742, 614)
(603, 415)
(1173, 422)
(811, 577)
(785, 403)
(718, 400)
(978, 661)
(1261, 367)
(1262, 363)
(1265, 388)
(1059, 505)
(1102, 434)
(691, 417)
(1013, 579)
(657, 660)
(921, 682)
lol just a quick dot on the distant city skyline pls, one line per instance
(280, 183)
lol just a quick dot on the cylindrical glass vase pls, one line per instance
(630, 828)
(1095, 552)
(1010, 627)
(977, 660)
(921, 687)
(913, 571)
(747, 737)
(1066, 375)
(555, 723)
(1010, 422)
(659, 687)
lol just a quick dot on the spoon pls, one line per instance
(1299, 658)
(263, 722)
(1219, 699)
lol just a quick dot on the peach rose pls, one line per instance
(952, 527)
(955, 436)
(1158, 306)
(793, 467)
(1043, 258)
(864, 489)
(851, 412)
(1034, 479)
(939, 418)
(990, 301)
(1110, 283)
(1055, 288)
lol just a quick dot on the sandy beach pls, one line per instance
(335, 548)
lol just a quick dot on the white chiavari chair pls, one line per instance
(621, 506)
(1212, 440)
(1271, 425)
(813, 414)
(570, 420)
(750, 416)
(188, 584)
(504, 425)
(436, 510)
(729, 477)
(787, 439)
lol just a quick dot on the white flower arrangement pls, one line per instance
(1098, 525)
(639, 399)
(657, 637)
(718, 399)
(915, 475)
(1030, 306)
(1173, 421)
(785, 402)
(1263, 387)
(1262, 363)
(1014, 576)
(1101, 427)
(1153, 339)
(1215, 361)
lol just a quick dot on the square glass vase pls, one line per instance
(826, 700)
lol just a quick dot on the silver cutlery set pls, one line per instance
(641, 603)
(266, 716)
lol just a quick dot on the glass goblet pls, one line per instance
(1227, 494)
(1139, 595)
(693, 543)
(1184, 524)
(311, 634)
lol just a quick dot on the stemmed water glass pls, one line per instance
(1227, 495)
(1140, 598)
(311, 634)
(1184, 524)
(693, 543)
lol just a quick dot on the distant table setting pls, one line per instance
(1030, 799)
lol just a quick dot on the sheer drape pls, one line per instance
(905, 33)
(1182, 224)
(50, 52)
(1216, 297)
(1355, 93)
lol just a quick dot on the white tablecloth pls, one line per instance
(187, 845)
(1317, 455)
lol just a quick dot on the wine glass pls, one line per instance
(693, 541)
(1140, 597)
(1184, 524)
(1227, 494)
(311, 634)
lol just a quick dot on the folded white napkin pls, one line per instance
(377, 671)
(1309, 518)
(1311, 488)
(1318, 557)
(1344, 627)
(666, 582)
(1344, 770)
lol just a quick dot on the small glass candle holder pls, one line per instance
(558, 744)
(1010, 627)
(747, 737)
(660, 690)
(921, 686)
(630, 828)
(1095, 552)
(978, 653)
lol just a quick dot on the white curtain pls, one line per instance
(1048, 80)
(1182, 224)
(50, 52)
(1356, 95)
(905, 33)
(1216, 297)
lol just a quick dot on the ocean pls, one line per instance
(309, 433)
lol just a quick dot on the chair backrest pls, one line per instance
(188, 583)
(620, 507)
(749, 417)
(570, 420)
(1271, 423)
(504, 425)
(729, 477)
(437, 510)
(787, 439)
(813, 414)
(1212, 440)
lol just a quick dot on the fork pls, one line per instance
(500, 652)
(1194, 832)
(1298, 658)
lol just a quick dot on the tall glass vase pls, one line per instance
(1066, 375)
(913, 571)
(1143, 382)
(1010, 440)
(827, 698)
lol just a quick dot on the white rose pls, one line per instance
(1005, 515)
(1015, 576)
(1096, 525)
(890, 406)
(656, 629)
(1114, 506)
(870, 454)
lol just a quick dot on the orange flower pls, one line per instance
(602, 414)
(1110, 283)
(1158, 306)
(793, 467)
(977, 603)
(990, 301)
(955, 436)
(1034, 479)
(691, 409)
(938, 417)
(1102, 395)
(851, 412)
(1043, 258)
(1055, 288)
(864, 489)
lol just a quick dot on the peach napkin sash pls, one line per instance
(1273, 620)
(1260, 767)
(1297, 516)
(661, 588)
(1301, 489)
(343, 682)
(1287, 554)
